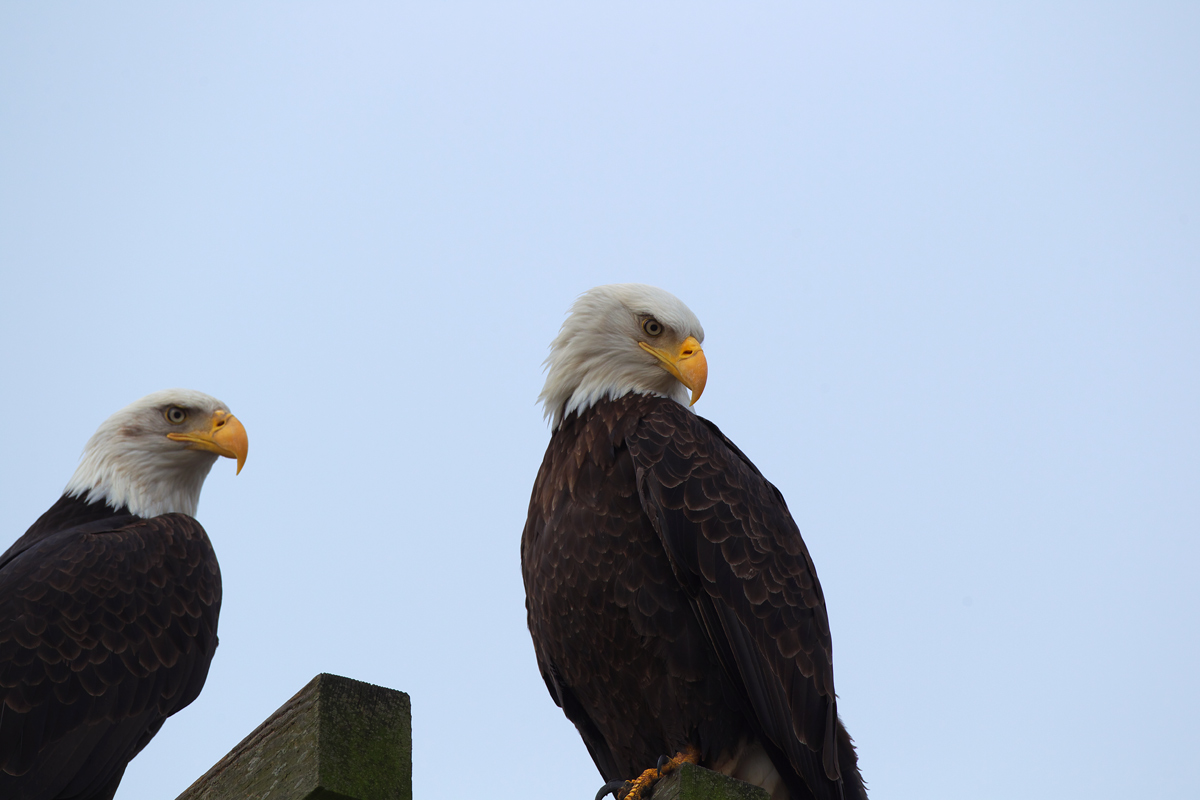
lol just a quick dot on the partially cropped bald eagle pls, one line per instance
(109, 602)
(672, 603)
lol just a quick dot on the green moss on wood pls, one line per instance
(337, 739)
(690, 782)
(366, 740)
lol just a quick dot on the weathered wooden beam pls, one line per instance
(690, 782)
(337, 739)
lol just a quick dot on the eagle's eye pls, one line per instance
(175, 415)
(652, 327)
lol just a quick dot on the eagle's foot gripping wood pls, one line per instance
(639, 787)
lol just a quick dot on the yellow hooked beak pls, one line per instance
(688, 364)
(226, 438)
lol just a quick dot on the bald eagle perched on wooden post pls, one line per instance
(109, 602)
(673, 605)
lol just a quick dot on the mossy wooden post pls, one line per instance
(690, 782)
(337, 739)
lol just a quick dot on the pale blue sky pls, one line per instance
(947, 259)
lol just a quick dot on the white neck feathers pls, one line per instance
(130, 462)
(596, 355)
(147, 486)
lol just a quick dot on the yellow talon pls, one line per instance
(639, 785)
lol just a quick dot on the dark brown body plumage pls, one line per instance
(672, 601)
(108, 623)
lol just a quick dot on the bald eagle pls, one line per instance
(109, 602)
(673, 606)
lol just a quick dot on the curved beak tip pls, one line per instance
(689, 366)
(694, 370)
(236, 442)
(226, 437)
(230, 440)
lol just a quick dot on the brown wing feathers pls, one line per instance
(735, 641)
(105, 630)
(724, 524)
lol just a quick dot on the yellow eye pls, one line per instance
(652, 327)
(175, 415)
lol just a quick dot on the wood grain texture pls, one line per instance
(336, 739)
